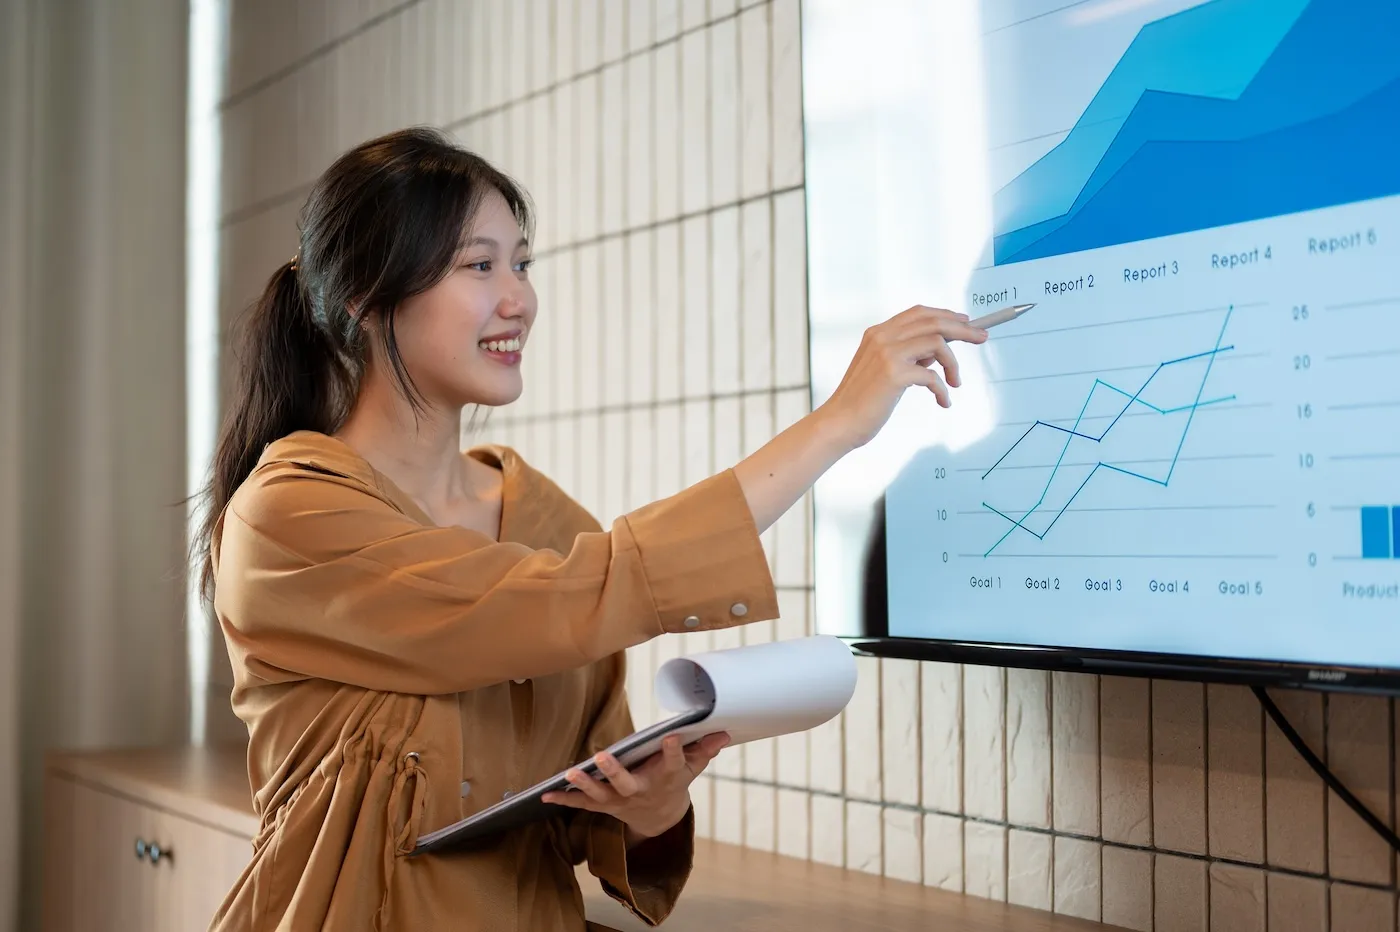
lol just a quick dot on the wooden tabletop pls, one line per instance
(743, 890)
(208, 785)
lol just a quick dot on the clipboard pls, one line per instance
(752, 692)
(528, 805)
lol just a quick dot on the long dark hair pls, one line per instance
(382, 224)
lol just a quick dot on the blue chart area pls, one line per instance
(1232, 111)
(1175, 421)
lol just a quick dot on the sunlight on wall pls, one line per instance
(208, 39)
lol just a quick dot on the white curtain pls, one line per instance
(92, 459)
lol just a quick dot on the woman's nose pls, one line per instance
(512, 305)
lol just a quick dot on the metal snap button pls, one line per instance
(693, 621)
(466, 788)
(738, 609)
(519, 682)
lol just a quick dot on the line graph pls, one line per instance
(1071, 434)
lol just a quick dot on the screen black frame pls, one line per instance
(869, 634)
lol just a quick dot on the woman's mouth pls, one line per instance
(503, 351)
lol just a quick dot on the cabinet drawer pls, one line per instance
(93, 878)
(202, 866)
(114, 864)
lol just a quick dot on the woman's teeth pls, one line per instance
(501, 346)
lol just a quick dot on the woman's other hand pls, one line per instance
(652, 797)
(893, 356)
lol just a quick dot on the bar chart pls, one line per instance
(1380, 532)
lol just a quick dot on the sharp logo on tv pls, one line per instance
(1327, 676)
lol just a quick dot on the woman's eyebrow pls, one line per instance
(491, 243)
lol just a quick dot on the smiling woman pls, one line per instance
(415, 632)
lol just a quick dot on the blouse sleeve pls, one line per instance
(317, 577)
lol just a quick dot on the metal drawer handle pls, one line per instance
(150, 851)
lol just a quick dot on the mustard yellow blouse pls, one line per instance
(396, 676)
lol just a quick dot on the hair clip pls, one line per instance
(296, 258)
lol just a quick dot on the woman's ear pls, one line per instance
(364, 320)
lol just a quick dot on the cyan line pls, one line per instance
(1204, 404)
(1192, 415)
(1136, 475)
(1133, 398)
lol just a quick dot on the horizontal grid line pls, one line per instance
(1002, 823)
(321, 51)
(596, 70)
(248, 212)
(653, 225)
(648, 405)
(274, 200)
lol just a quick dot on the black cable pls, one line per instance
(1321, 770)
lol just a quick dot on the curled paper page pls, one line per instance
(756, 691)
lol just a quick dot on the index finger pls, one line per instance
(965, 333)
(924, 312)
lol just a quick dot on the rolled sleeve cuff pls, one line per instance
(648, 879)
(703, 559)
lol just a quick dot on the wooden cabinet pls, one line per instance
(143, 840)
(194, 804)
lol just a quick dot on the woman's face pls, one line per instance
(461, 340)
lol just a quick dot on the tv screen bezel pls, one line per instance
(870, 633)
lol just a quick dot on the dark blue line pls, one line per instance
(1071, 499)
(1015, 522)
(1134, 398)
(1072, 433)
(1220, 349)
(1013, 446)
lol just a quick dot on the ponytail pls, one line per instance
(289, 376)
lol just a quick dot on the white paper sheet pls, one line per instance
(756, 691)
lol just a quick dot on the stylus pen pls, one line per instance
(1000, 317)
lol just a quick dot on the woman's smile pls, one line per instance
(503, 348)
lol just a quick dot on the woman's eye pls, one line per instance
(483, 266)
(524, 265)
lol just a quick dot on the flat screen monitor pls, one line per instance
(1184, 460)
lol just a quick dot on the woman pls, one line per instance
(416, 633)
